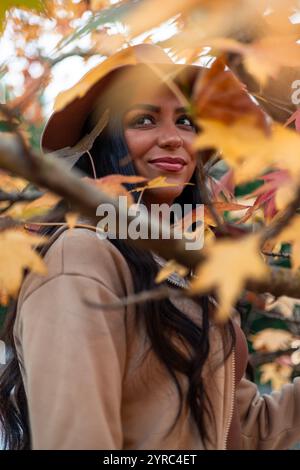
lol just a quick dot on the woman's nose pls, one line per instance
(170, 138)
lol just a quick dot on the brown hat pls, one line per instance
(64, 128)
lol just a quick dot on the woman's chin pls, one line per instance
(162, 195)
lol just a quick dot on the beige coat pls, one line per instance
(82, 370)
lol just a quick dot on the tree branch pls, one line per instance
(279, 282)
(161, 292)
(277, 255)
(20, 196)
(257, 359)
(283, 220)
(273, 314)
(85, 198)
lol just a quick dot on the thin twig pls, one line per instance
(159, 293)
(277, 255)
(258, 358)
(272, 102)
(279, 281)
(20, 197)
(273, 314)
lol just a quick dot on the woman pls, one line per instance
(160, 375)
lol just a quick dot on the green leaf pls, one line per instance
(247, 188)
(5, 126)
(6, 5)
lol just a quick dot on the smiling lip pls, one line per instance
(169, 163)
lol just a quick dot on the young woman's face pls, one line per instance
(159, 134)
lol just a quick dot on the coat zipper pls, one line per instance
(177, 284)
(161, 262)
(232, 400)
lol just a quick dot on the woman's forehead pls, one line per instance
(132, 88)
(157, 94)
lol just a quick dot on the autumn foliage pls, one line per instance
(247, 119)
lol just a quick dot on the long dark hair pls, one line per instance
(164, 323)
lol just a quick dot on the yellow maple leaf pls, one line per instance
(151, 13)
(113, 184)
(158, 182)
(10, 184)
(209, 236)
(169, 268)
(258, 56)
(229, 264)
(261, 61)
(248, 149)
(71, 219)
(284, 195)
(277, 374)
(17, 254)
(283, 304)
(286, 149)
(243, 145)
(40, 206)
(271, 339)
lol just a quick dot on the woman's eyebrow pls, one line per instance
(154, 109)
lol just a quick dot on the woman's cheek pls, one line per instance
(139, 142)
(140, 168)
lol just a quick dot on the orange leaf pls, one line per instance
(113, 184)
(158, 182)
(71, 219)
(15, 255)
(224, 263)
(218, 94)
(10, 184)
(259, 57)
(271, 339)
(261, 61)
(40, 206)
(277, 374)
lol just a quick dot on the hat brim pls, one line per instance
(64, 127)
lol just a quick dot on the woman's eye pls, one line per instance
(143, 121)
(186, 121)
